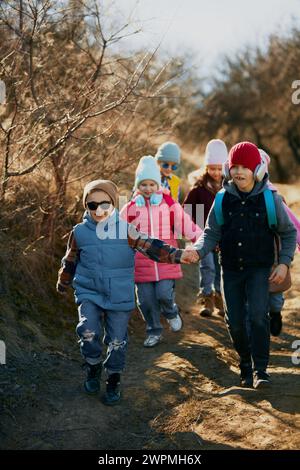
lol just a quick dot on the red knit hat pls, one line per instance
(245, 154)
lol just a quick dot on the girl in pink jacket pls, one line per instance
(156, 213)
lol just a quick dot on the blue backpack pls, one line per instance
(270, 206)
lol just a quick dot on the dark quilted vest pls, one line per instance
(246, 237)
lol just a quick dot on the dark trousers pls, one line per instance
(250, 287)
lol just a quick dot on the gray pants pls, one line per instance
(209, 274)
(155, 298)
(95, 322)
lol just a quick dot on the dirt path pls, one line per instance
(182, 394)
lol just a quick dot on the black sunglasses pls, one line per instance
(104, 205)
(166, 165)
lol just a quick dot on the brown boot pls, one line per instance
(219, 304)
(207, 302)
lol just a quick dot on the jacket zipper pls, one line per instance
(152, 235)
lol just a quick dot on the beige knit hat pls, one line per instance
(104, 185)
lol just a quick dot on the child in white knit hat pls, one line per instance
(207, 185)
(156, 213)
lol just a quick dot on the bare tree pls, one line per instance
(76, 108)
(251, 99)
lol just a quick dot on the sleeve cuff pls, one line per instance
(285, 260)
(178, 254)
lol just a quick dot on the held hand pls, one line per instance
(279, 274)
(196, 257)
(60, 290)
(189, 256)
(62, 293)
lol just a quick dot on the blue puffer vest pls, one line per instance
(105, 270)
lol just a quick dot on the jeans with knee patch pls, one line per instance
(97, 326)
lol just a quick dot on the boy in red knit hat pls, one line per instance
(247, 254)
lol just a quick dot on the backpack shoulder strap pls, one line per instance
(270, 206)
(218, 206)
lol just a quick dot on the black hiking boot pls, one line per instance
(112, 395)
(261, 379)
(246, 377)
(92, 382)
(275, 323)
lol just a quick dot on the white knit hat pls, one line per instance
(147, 169)
(216, 152)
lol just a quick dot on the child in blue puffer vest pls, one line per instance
(99, 264)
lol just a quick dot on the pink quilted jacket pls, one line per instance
(168, 222)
